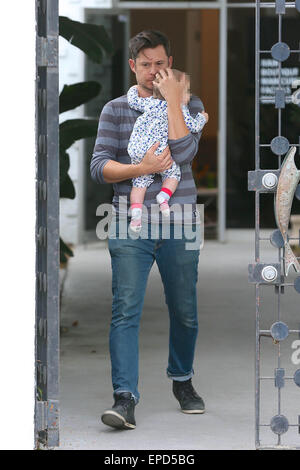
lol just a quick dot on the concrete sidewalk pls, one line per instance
(224, 362)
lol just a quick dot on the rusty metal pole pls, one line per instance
(47, 226)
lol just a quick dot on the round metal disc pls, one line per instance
(279, 424)
(297, 284)
(276, 239)
(280, 51)
(297, 193)
(269, 273)
(279, 331)
(297, 377)
(279, 145)
(269, 180)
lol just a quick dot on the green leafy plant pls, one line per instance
(95, 43)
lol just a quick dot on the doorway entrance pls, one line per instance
(196, 53)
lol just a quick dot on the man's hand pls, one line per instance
(152, 163)
(175, 93)
(114, 172)
(172, 90)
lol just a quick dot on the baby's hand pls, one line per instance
(205, 115)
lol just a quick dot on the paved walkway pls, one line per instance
(224, 363)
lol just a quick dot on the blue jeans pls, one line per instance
(131, 261)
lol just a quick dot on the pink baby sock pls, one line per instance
(136, 217)
(162, 199)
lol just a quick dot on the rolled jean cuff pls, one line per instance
(180, 378)
(116, 392)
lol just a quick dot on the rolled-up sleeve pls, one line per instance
(107, 143)
(183, 150)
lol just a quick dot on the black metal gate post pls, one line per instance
(263, 274)
(47, 226)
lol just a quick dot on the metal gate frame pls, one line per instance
(266, 274)
(47, 227)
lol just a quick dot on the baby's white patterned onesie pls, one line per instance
(152, 127)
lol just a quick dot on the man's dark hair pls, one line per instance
(148, 39)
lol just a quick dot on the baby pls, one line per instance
(149, 128)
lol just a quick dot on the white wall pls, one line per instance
(18, 216)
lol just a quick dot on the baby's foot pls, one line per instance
(162, 198)
(135, 225)
(165, 209)
(136, 219)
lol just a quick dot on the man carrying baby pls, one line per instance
(132, 258)
(152, 127)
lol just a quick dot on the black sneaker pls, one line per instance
(188, 398)
(121, 415)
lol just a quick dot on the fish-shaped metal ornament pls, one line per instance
(286, 188)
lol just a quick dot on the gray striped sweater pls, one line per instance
(115, 126)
